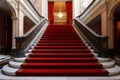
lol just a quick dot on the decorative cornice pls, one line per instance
(27, 11)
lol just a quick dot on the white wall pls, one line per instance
(45, 8)
(76, 8)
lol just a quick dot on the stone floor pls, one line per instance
(4, 59)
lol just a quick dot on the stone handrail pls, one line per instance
(23, 41)
(98, 42)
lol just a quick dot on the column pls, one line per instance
(104, 23)
(14, 31)
(45, 8)
(21, 23)
(111, 32)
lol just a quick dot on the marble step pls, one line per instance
(99, 59)
(27, 54)
(30, 50)
(15, 64)
(11, 71)
(114, 70)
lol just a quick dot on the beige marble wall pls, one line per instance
(105, 8)
(37, 4)
(19, 9)
(41, 6)
(76, 8)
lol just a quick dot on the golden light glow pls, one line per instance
(60, 15)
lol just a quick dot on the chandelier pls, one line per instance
(60, 14)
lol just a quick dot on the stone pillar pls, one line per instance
(14, 31)
(111, 32)
(21, 23)
(104, 23)
(40, 10)
(14, 34)
(45, 8)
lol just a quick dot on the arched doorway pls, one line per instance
(116, 22)
(5, 28)
(60, 12)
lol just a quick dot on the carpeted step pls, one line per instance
(61, 35)
(60, 44)
(50, 65)
(60, 59)
(61, 51)
(61, 55)
(62, 72)
(60, 38)
(60, 41)
(108, 64)
(99, 59)
(12, 71)
(60, 47)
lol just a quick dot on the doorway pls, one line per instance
(60, 12)
(116, 22)
(5, 30)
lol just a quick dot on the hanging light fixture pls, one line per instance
(60, 14)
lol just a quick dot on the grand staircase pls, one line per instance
(61, 52)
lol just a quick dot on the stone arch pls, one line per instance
(112, 9)
(11, 16)
(11, 7)
(111, 25)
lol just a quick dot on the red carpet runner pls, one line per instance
(61, 52)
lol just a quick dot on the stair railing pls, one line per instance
(98, 42)
(23, 41)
